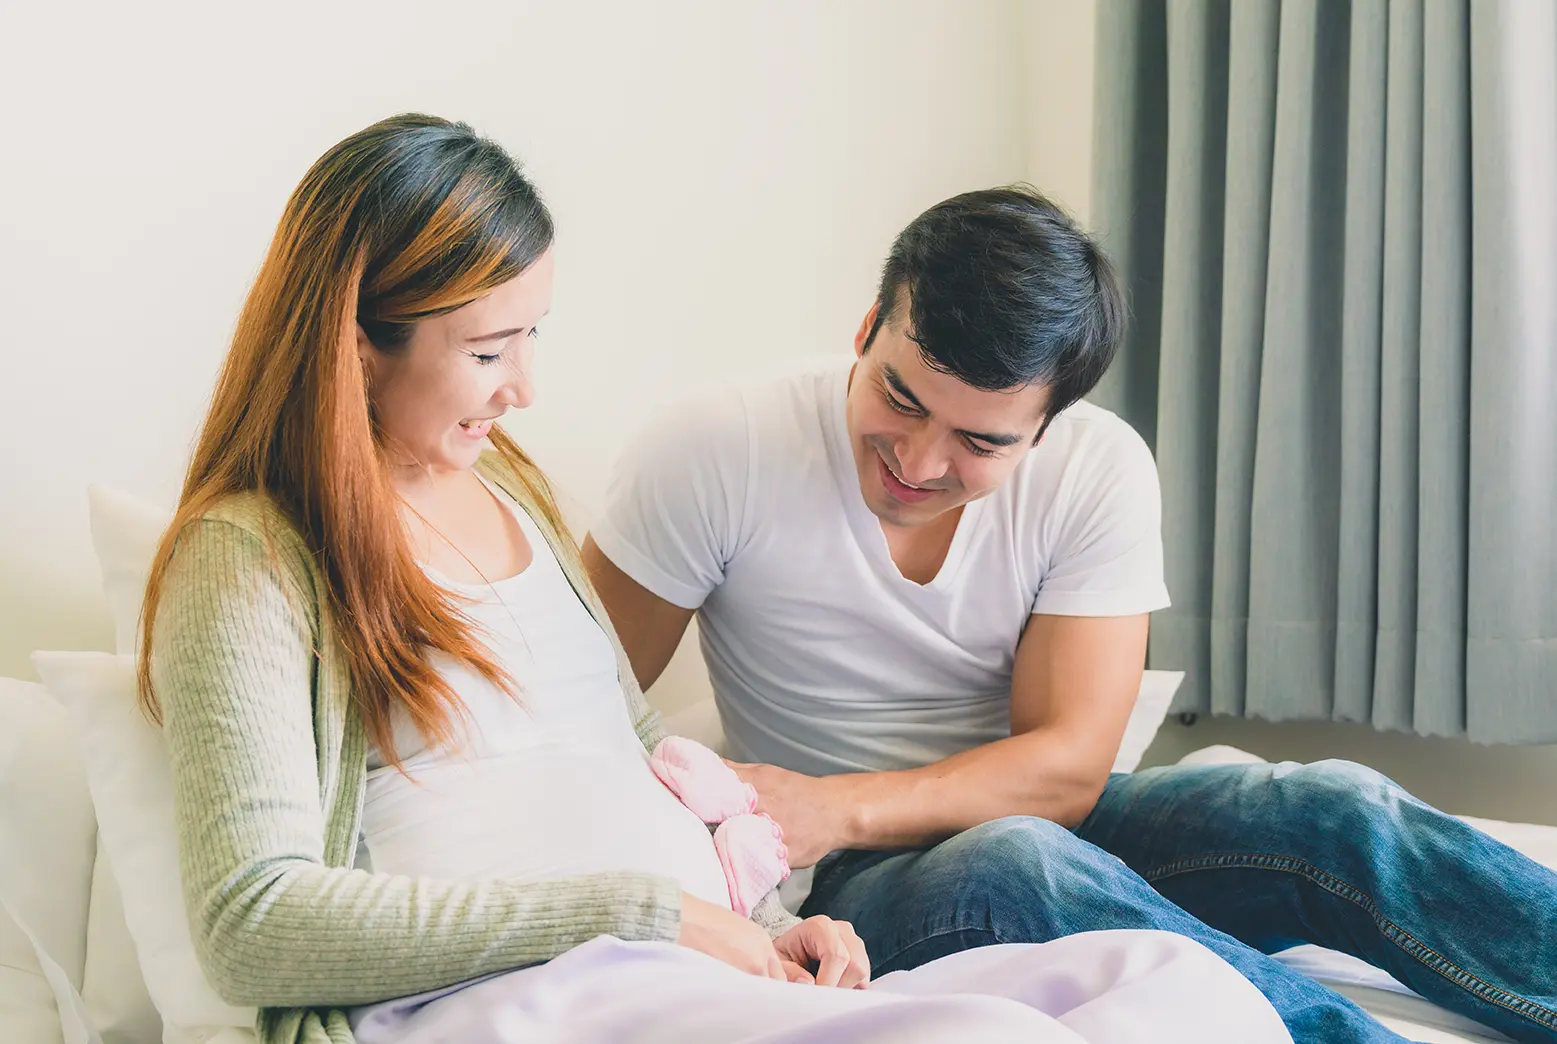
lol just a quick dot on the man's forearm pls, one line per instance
(1036, 774)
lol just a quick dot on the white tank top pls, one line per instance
(555, 783)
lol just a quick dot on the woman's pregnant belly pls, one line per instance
(547, 811)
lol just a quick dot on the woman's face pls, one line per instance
(438, 396)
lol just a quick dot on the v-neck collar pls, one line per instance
(866, 527)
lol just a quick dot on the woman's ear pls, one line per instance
(367, 353)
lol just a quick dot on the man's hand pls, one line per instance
(812, 811)
(824, 951)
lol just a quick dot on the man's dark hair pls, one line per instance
(1004, 291)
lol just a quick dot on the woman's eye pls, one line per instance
(535, 332)
(487, 360)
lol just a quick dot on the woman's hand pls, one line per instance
(825, 950)
(730, 937)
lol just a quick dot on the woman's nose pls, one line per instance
(518, 391)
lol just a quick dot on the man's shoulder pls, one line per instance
(1090, 426)
(781, 404)
(1086, 451)
(795, 401)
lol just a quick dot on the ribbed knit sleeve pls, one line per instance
(772, 916)
(274, 926)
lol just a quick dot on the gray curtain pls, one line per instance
(1338, 224)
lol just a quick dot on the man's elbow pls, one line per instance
(1076, 800)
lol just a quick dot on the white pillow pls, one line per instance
(132, 786)
(27, 1007)
(48, 837)
(1151, 708)
(699, 722)
(125, 534)
(47, 845)
(113, 989)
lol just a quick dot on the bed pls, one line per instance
(69, 971)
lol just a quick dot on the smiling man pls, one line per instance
(922, 584)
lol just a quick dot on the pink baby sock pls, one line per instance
(750, 846)
(702, 780)
(751, 850)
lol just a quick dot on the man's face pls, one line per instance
(925, 442)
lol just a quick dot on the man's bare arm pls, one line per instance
(650, 627)
(1073, 686)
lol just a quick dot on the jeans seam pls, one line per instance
(952, 930)
(1412, 946)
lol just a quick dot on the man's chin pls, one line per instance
(896, 513)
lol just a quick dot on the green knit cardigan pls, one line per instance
(269, 763)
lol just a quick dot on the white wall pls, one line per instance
(1057, 80)
(726, 177)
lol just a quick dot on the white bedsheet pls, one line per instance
(1118, 987)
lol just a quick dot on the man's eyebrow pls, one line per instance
(895, 379)
(993, 440)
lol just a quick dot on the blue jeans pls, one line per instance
(1249, 860)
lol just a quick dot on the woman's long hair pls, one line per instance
(410, 218)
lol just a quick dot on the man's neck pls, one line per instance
(920, 551)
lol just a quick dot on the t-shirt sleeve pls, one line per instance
(1106, 556)
(677, 500)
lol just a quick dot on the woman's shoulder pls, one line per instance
(248, 532)
(255, 514)
(249, 510)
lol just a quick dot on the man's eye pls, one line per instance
(901, 407)
(979, 450)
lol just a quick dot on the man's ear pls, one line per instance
(862, 335)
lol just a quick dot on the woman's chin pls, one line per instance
(461, 462)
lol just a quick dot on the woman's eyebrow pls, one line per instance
(497, 335)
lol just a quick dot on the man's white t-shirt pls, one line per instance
(746, 506)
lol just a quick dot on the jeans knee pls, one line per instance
(1016, 835)
(1340, 779)
(1340, 790)
(1012, 844)
(1022, 858)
